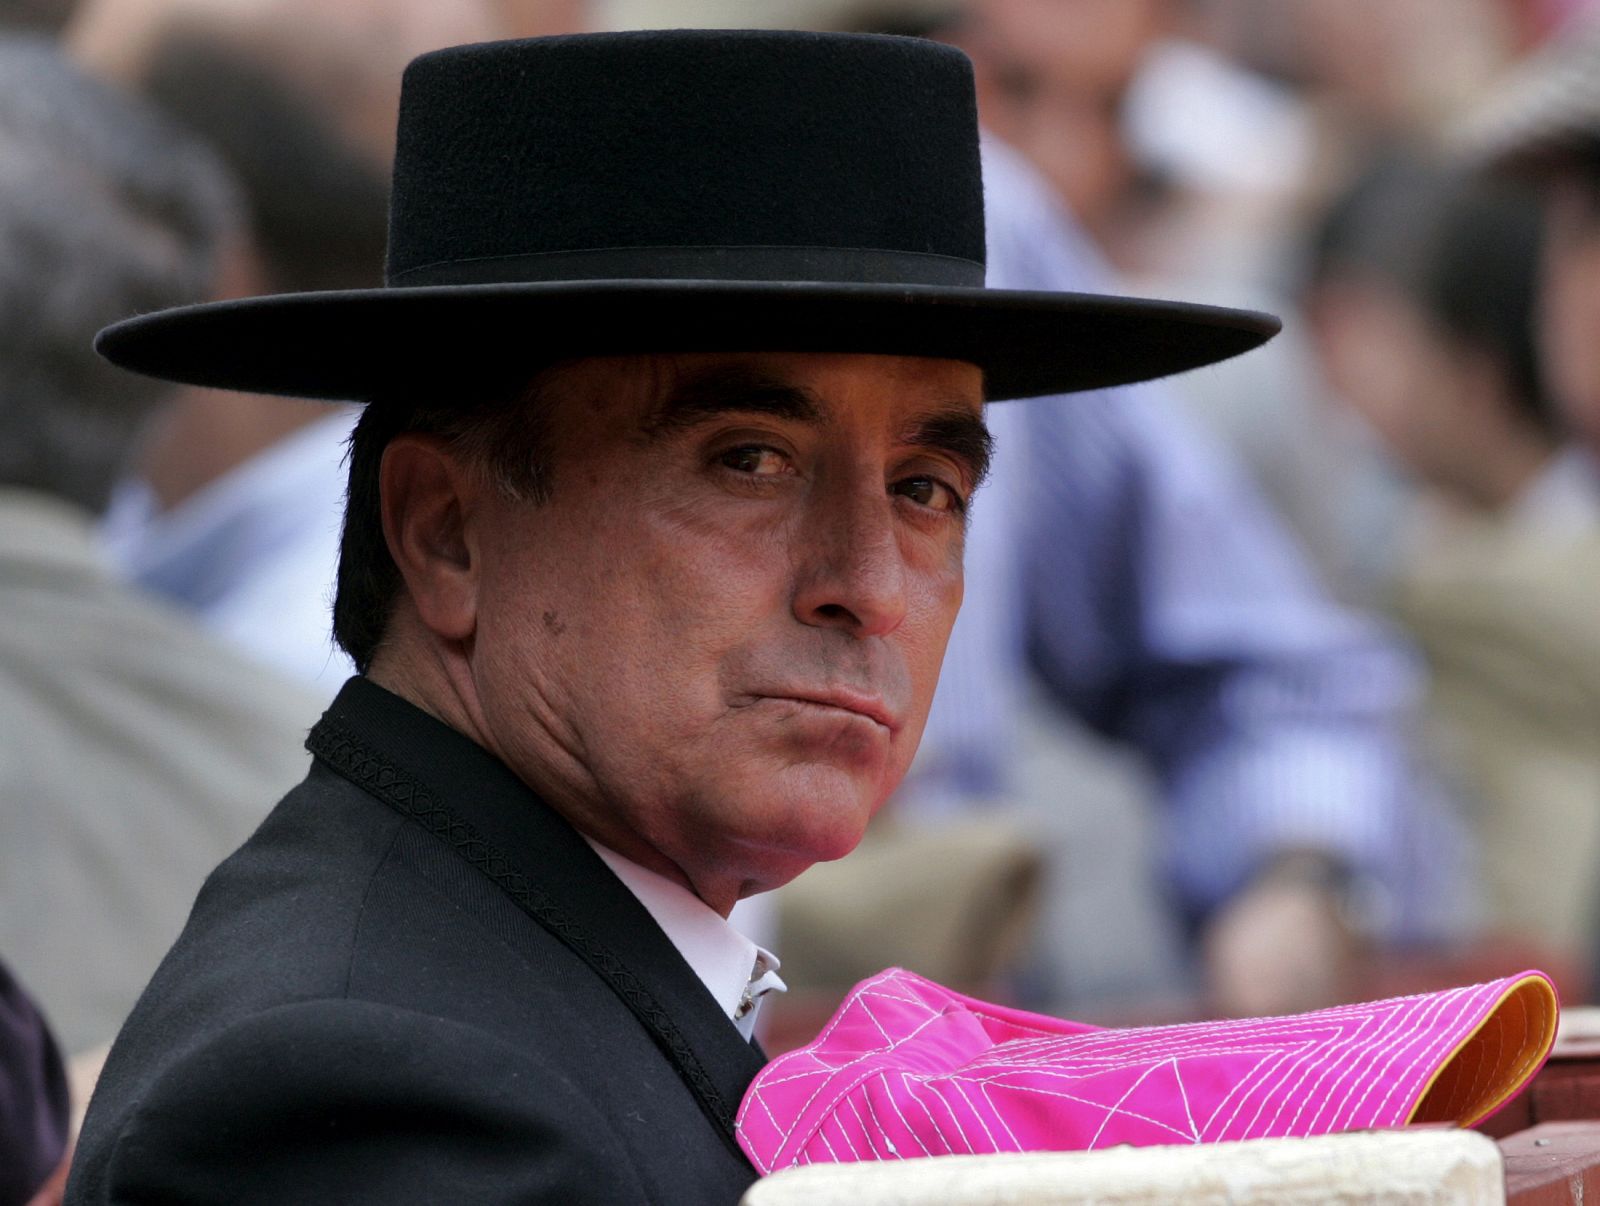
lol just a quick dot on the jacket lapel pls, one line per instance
(455, 789)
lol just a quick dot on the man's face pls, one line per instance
(1432, 400)
(1053, 76)
(714, 647)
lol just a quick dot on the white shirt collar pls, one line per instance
(736, 971)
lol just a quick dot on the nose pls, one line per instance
(851, 567)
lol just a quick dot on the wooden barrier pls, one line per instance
(1553, 1164)
(1550, 1134)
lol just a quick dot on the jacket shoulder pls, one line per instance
(354, 1101)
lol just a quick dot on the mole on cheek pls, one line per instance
(553, 623)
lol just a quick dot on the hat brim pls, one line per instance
(364, 344)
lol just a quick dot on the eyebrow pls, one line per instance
(960, 433)
(953, 428)
(731, 391)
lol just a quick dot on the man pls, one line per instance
(135, 750)
(1433, 272)
(1544, 126)
(1165, 606)
(1423, 299)
(653, 546)
(233, 513)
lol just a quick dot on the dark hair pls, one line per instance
(1479, 279)
(1462, 246)
(1573, 157)
(106, 209)
(36, 16)
(1576, 162)
(498, 431)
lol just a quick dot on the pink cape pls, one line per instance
(907, 1068)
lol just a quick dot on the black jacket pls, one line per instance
(417, 983)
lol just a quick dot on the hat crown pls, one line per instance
(760, 155)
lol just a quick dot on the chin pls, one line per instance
(778, 817)
(820, 815)
(776, 867)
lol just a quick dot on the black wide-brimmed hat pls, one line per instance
(679, 191)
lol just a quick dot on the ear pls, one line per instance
(427, 498)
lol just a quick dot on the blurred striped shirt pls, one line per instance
(1120, 557)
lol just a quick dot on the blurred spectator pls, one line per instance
(1242, 118)
(1543, 124)
(1131, 568)
(1424, 303)
(1381, 67)
(540, 18)
(34, 1109)
(1190, 174)
(1165, 606)
(235, 513)
(134, 752)
(1054, 80)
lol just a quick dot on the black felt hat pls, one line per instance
(680, 191)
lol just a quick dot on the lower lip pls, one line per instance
(819, 732)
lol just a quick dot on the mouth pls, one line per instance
(869, 707)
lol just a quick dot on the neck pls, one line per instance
(207, 434)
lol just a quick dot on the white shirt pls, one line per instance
(1563, 501)
(736, 971)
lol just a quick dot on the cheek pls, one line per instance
(1360, 368)
(651, 602)
(944, 604)
(699, 590)
(1431, 390)
(1570, 329)
(926, 633)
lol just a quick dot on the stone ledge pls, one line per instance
(1423, 1167)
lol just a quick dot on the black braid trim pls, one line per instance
(402, 791)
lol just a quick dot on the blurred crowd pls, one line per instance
(1277, 684)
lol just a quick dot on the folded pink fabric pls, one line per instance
(907, 1068)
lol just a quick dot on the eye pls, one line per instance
(930, 492)
(756, 460)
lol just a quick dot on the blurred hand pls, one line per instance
(1282, 945)
(54, 1191)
